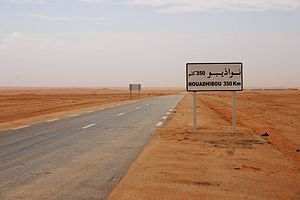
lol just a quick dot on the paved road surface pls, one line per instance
(79, 156)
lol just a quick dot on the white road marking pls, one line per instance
(138, 108)
(52, 120)
(88, 126)
(74, 115)
(91, 111)
(20, 127)
(120, 114)
(164, 117)
(159, 123)
(167, 113)
(147, 104)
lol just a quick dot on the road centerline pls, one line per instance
(53, 120)
(120, 114)
(88, 126)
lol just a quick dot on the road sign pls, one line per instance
(136, 87)
(214, 77)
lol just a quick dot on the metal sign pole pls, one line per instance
(130, 94)
(194, 112)
(139, 94)
(233, 112)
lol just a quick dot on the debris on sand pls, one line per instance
(265, 134)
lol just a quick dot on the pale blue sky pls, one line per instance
(101, 43)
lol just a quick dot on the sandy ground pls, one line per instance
(216, 164)
(21, 106)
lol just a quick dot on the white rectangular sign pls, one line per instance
(214, 77)
(135, 87)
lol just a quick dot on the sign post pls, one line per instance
(130, 91)
(214, 77)
(194, 112)
(233, 113)
(139, 94)
(136, 87)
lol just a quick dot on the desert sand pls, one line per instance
(214, 163)
(20, 106)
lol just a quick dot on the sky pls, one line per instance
(111, 43)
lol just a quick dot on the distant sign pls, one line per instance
(135, 87)
(214, 77)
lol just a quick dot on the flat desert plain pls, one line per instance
(214, 163)
(20, 106)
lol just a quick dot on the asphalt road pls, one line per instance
(79, 156)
